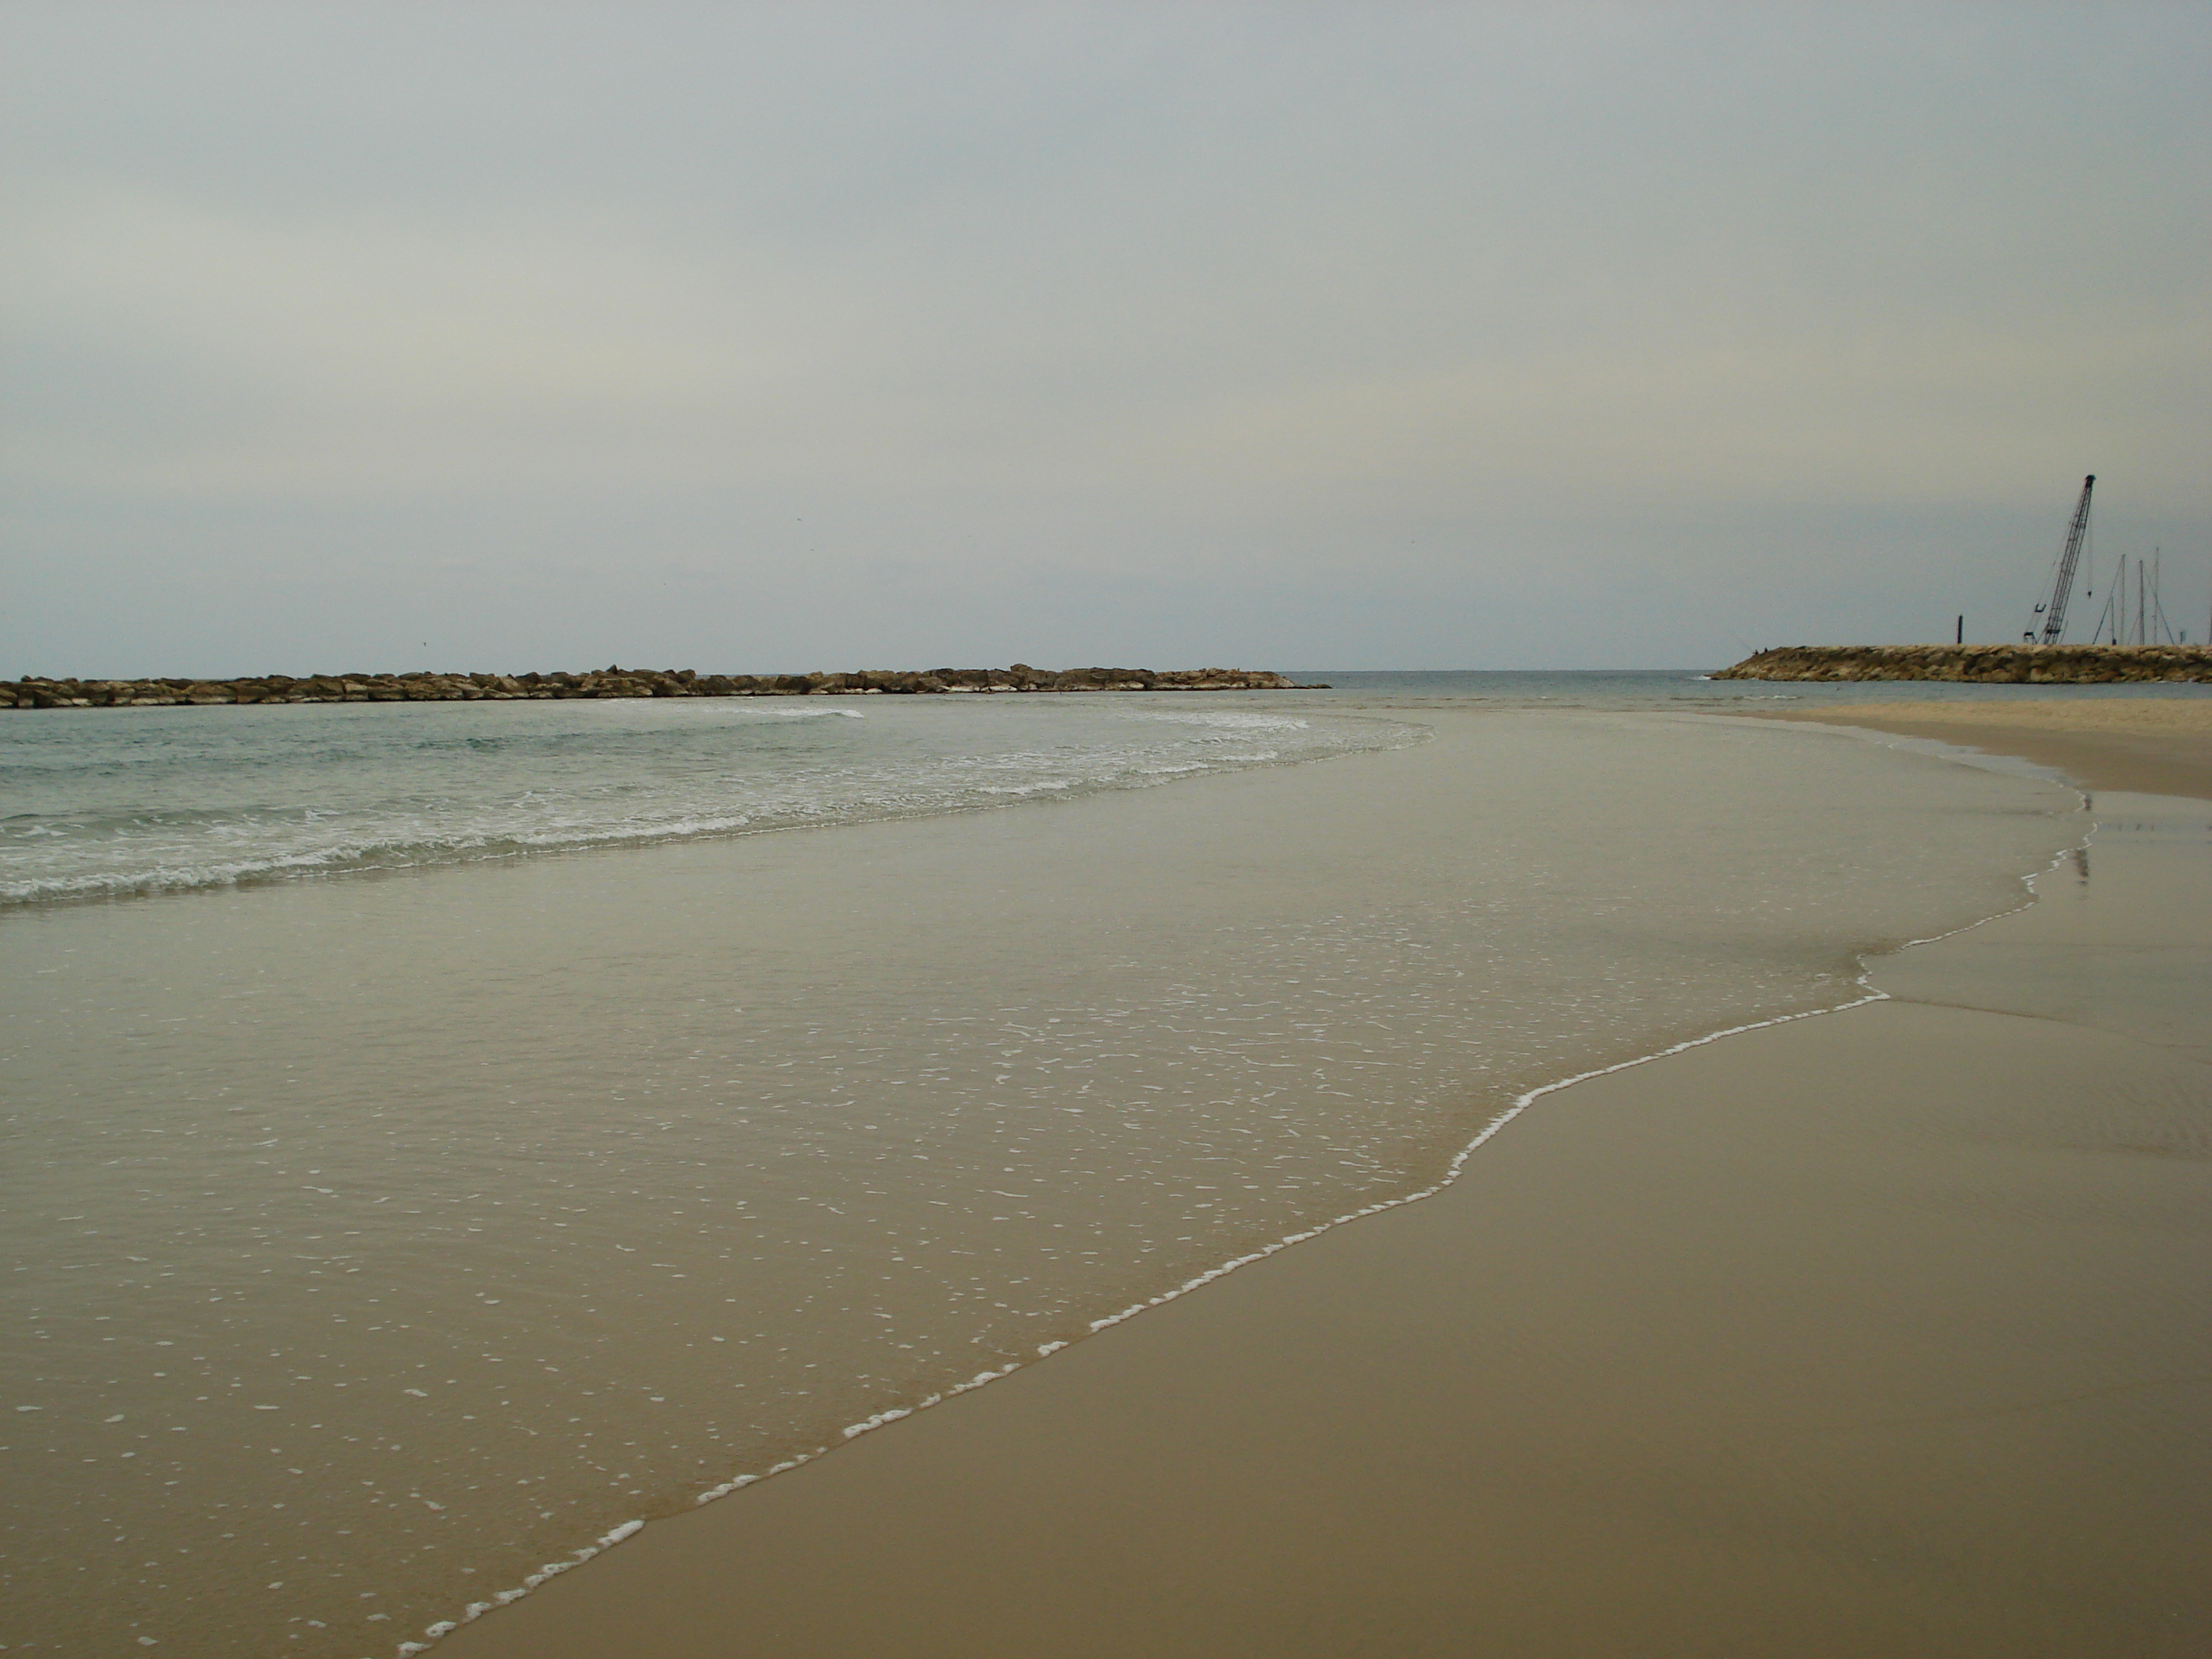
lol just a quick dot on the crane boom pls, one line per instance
(2061, 585)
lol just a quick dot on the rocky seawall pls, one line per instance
(37, 692)
(2005, 664)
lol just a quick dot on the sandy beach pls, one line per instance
(2156, 745)
(1878, 1332)
(945, 832)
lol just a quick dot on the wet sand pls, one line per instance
(2156, 745)
(1880, 1332)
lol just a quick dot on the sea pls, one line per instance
(441, 1139)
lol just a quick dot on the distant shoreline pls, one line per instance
(2013, 664)
(425, 686)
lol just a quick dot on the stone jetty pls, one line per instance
(37, 692)
(1996, 664)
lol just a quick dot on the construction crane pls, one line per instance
(2053, 609)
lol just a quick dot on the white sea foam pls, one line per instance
(137, 804)
(1232, 720)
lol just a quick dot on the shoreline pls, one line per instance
(2155, 746)
(867, 1551)
(1409, 946)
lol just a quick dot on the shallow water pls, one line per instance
(379, 1240)
(108, 803)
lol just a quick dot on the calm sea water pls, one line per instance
(441, 1137)
(130, 801)
(112, 803)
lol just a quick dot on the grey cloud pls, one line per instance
(1304, 334)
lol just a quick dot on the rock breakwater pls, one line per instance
(38, 692)
(2004, 664)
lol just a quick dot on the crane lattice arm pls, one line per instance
(2062, 587)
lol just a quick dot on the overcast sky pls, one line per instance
(1356, 334)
